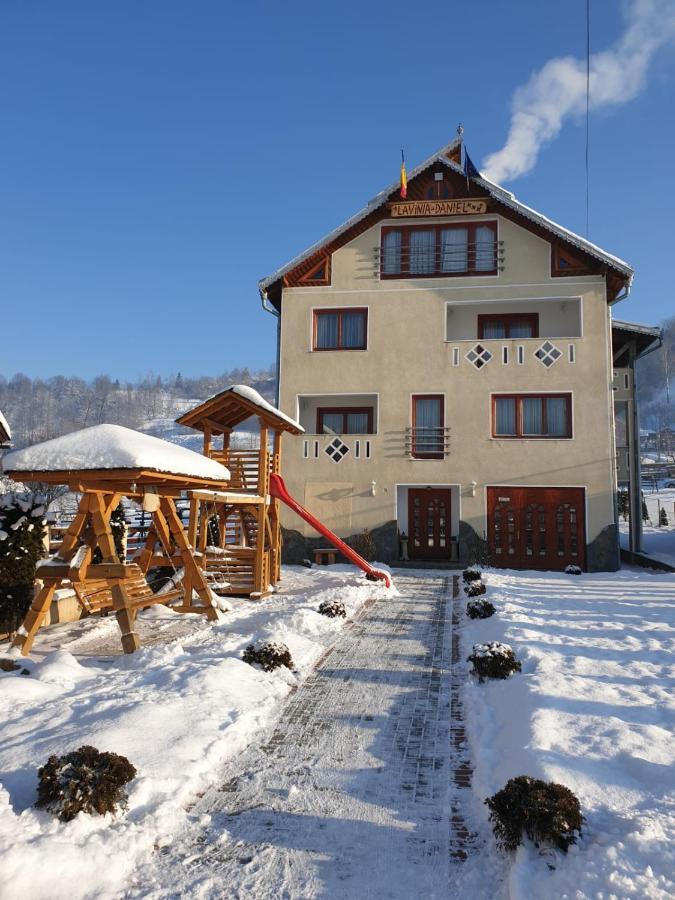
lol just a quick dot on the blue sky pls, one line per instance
(158, 158)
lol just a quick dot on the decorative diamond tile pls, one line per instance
(547, 354)
(337, 449)
(479, 356)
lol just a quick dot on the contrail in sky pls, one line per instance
(558, 90)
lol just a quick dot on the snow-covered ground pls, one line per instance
(178, 710)
(658, 541)
(594, 709)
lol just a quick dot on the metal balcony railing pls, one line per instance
(475, 258)
(425, 442)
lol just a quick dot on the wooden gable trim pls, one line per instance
(587, 264)
(318, 274)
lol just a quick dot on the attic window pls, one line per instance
(438, 189)
(319, 274)
(564, 263)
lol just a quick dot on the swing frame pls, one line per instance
(166, 543)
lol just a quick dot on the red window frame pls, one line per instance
(507, 320)
(520, 435)
(344, 412)
(405, 249)
(340, 312)
(422, 454)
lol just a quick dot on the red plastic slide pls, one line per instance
(278, 490)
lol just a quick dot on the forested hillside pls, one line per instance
(39, 409)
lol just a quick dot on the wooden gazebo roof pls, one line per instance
(229, 408)
(114, 458)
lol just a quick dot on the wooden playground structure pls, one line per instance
(230, 546)
(238, 532)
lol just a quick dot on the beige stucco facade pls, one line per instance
(419, 332)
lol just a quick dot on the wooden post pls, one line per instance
(259, 569)
(193, 573)
(123, 611)
(35, 616)
(207, 440)
(275, 511)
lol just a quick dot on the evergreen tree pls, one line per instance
(663, 517)
(22, 536)
(645, 511)
(624, 509)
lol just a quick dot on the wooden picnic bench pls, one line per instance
(325, 556)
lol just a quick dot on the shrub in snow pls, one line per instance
(22, 533)
(479, 609)
(494, 660)
(663, 516)
(472, 573)
(270, 655)
(84, 780)
(547, 812)
(474, 588)
(364, 544)
(333, 609)
(572, 570)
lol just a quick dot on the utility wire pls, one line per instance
(588, 108)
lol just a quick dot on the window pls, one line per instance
(508, 325)
(427, 251)
(621, 423)
(340, 329)
(344, 420)
(428, 433)
(319, 274)
(532, 415)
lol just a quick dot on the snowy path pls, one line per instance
(351, 795)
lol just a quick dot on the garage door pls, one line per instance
(536, 528)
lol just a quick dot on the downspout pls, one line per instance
(269, 308)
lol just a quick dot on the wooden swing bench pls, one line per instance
(95, 595)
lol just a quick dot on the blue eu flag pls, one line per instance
(470, 171)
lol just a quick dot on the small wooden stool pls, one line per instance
(325, 556)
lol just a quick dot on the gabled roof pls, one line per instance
(113, 448)
(646, 337)
(499, 194)
(231, 407)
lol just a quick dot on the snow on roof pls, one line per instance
(496, 191)
(4, 426)
(622, 325)
(113, 447)
(250, 394)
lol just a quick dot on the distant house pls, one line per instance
(663, 441)
(5, 433)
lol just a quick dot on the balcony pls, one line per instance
(475, 257)
(427, 443)
(514, 320)
(338, 448)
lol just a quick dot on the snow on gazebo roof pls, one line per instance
(113, 447)
(236, 404)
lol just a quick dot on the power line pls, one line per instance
(588, 109)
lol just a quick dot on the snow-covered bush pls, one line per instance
(84, 780)
(663, 517)
(475, 588)
(472, 573)
(547, 812)
(494, 660)
(22, 533)
(333, 609)
(479, 609)
(572, 570)
(270, 655)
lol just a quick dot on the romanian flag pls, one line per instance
(404, 178)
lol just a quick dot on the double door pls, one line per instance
(536, 528)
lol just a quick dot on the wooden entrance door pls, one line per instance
(429, 523)
(536, 528)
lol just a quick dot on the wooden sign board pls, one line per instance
(409, 208)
